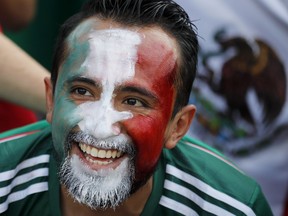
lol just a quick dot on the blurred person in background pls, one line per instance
(39, 37)
(241, 87)
(21, 76)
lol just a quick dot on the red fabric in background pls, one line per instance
(13, 116)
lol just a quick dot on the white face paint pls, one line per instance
(111, 60)
(97, 189)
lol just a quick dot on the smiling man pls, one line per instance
(117, 106)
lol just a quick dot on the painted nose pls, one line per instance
(100, 119)
(108, 124)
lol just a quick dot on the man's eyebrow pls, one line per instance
(82, 79)
(139, 90)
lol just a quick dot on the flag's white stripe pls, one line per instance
(205, 205)
(209, 190)
(19, 195)
(177, 206)
(23, 179)
(4, 176)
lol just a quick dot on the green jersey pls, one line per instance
(191, 179)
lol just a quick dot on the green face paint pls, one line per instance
(63, 119)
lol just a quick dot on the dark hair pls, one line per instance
(163, 13)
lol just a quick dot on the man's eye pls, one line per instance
(81, 91)
(134, 102)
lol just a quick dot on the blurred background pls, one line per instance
(39, 36)
(241, 87)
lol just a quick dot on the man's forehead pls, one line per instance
(148, 34)
(79, 34)
(149, 47)
(82, 31)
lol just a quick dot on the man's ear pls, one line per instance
(180, 125)
(49, 99)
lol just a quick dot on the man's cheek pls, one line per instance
(147, 134)
(63, 121)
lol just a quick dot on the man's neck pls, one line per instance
(133, 206)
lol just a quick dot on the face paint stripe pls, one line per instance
(112, 59)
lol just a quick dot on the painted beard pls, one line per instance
(104, 188)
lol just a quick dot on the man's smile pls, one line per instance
(100, 154)
(97, 158)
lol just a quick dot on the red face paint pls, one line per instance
(155, 71)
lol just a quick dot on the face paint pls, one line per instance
(111, 57)
(110, 53)
(97, 189)
(63, 119)
(155, 71)
(111, 60)
(123, 64)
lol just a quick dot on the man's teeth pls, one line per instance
(98, 162)
(100, 153)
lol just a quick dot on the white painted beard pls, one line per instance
(97, 189)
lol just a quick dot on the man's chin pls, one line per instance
(97, 189)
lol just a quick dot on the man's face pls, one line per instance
(113, 101)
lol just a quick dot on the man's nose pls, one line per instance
(109, 123)
(105, 128)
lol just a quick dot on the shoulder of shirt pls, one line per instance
(195, 169)
(193, 149)
(21, 143)
(24, 164)
(205, 163)
(23, 131)
(25, 136)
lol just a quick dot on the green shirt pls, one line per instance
(191, 179)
